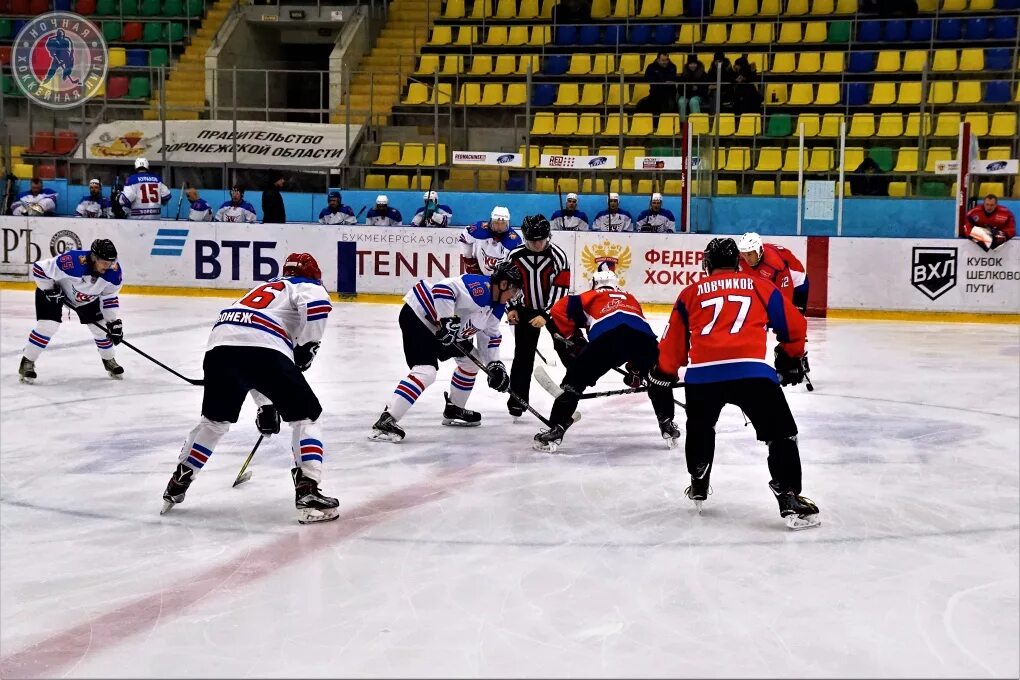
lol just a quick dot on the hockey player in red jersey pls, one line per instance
(718, 329)
(776, 264)
(617, 333)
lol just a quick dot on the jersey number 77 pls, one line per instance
(717, 304)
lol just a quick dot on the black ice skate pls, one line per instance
(670, 432)
(699, 489)
(311, 504)
(799, 512)
(549, 440)
(180, 480)
(459, 417)
(27, 371)
(386, 429)
(515, 409)
(115, 370)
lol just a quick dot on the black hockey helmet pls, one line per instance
(103, 249)
(721, 253)
(506, 271)
(536, 228)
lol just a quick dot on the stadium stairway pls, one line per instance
(376, 83)
(185, 85)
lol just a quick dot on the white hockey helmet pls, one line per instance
(500, 213)
(656, 197)
(431, 196)
(141, 163)
(750, 243)
(382, 199)
(613, 196)
(604, 277)
(571, 195)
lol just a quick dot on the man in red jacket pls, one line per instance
(990, 224)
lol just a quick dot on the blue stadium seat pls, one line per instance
(588, 35)
(998, 59)
(665, 34)
(895, 30)
(920, 30)
(543, 95)
(856, 94)
(1004, 28)
(17, 25)
(614, 35)
(555, 64)
(138, 57)
(640, 34)
(869, 31)
(61, 5)
(515, 183)
(997, 92)
(861, 62)
(976, 29)
(566, 35)
(1007, 4)
(697, 8)
(950, 29)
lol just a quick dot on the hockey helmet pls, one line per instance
(605, 277)
(141, 164)
(302, 264)
(656, 198)
(500, 213)
(536, 228)
(333, 194)
(103, 249)
(750, 243)
(506, 271)
(431, 196)
(382, 199)
(721, 253)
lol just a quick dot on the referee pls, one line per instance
(545, 271)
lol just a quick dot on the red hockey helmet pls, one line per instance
(302, 264)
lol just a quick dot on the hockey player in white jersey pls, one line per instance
(382, 215)
(486, 243)
(336, 212)
(144, 193)
(263, 342)
(37, 201)
(613, 218)
(87, 281)
(656, 219)
(237, 209)
(198, 209)
(569, 218)
(442, 321)
(94, 204)
(433, 213)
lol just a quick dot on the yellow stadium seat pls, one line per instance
(630, 65)
(846, 7)
(566, 124)
(580, 65)
(398, 182)
(790, 33)
(947, 124)
(496, 37)
(764, 34)
(698, 123)
(530, 155)
(810, 123)
(528, 10)
(998, 153)
(994, 188)
(883, 94)
(518, 35)
(822, 7)
(720, 159)
(982, 5)
(591, 94)
(899, 189)
(909, 94)
(827, 95)
(954, 5)
(540, 35)
(417, 93)
(691, 34)
(1003, 125)
(545, 185)
(506, 9)
(466, 35)
(821, 160)
(672, 186)
(801, 94)
(389, 154)
(470, 94)
(888, 62)
(968, 92)
(413, 155)
(723, 8)
(759, 60)
(978, 123)
(890, 125)
(862, 125)
(770, 159)
(725, 125)
(441, 94)
(639, 92)
(375, 181)
(791, 162)
(738, 159)
(543, 123)
(727, 187)
(669, 125)
(453, 65)
(588, 125)
(650, 9)
(504, 65)
(607, 151)
(603, 64)
(567, 94)
(454, 9)
(672, 8)
(788, 188)
(853, 158)
(552, 150)
(516, 94)
(746, 8)
(935, 154)
(492, 94)
(590, 186)
(972, 59)
(777, 93)
(763, 188)
(624, 9)
(810, 62)
(915, 61)
(432, 158)
(815, 32)
(600, 9)
(645, 186)
(797, 8)
(749, 125)
(616, 96)
(833, 62)
(830, 125)
(630, 156)
(615, 125)
(641, 125)
(928, 6)
(481, 65)
(913, 125)
(944, 61)
(547, 8)
(740, 34)
(116, 57)
(568, 185)
(940, 92)
(441, 35)
(481, 9)
(575, 150)
(769, 8)
(525, 62)
(715, 34)
(784, 62)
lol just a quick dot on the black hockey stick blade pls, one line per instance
(522, 402)
(243, 475)
(675, 385)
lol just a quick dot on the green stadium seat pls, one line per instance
(150, 8)
(158, 57)
(194, 8)
(152, 32)
(112, 30)
(839, 32)
(138, 88)
(129, 8)
(173, 8)
(779, 125)
(6, 30)
(173, 32)
(107, 7)
(883, 155)
(934, 189)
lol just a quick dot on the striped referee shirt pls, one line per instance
(546, 276)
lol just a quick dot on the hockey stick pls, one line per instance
(675, 401)
(242, 475)
(180, 198)
(358, 216)
(520, 401)
(807, 380)
(555, 390)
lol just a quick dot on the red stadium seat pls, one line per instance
(116, 87)
(42, 143)
(132, 31)
(20, 7)
(37, 7)
(65, 142)
(46, 171)
(85, 7)
(5, 55)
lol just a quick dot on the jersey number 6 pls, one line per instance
(261, 297)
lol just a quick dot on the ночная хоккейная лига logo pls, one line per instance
(59, 60)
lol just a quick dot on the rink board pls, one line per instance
(861, 274)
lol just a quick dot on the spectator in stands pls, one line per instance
(94, 204)
(433, 213)
(720, 69)
(656, 219)
(336, 212)
(237, 209)
(198, 209)
(567, 12)
(613, 219)
(569, 218)
(868, 180)
(273, 211)
(661, 74)
(693, 88)
(746, 96)
(989, 224)
(37, 201)
(382, 215)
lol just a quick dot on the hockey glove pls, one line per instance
(438, 220)
(632, 376)
(499, 379)
(304, 354)
(466, 346)
(54, 295)
(658, 378)
(115, 331)
(790, 369)
(267, 420)
(448, 328)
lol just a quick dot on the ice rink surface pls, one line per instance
(461, 552)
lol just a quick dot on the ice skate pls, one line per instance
(516, 412)
(670, 432)
(27, 371)
(386, 429)
(459, 417)
(311, 504)
(699, 489)
(178, 485)
(798, 511)
(549, 440)
(115, 370)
